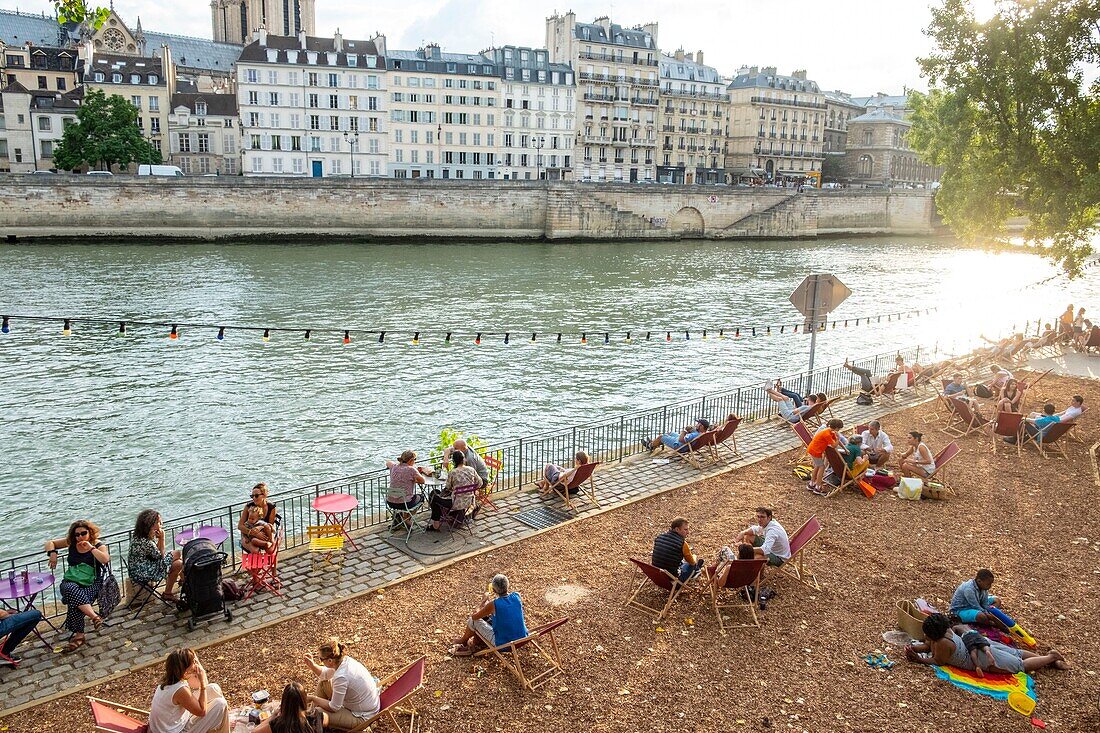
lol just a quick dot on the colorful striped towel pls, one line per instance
(997, 686)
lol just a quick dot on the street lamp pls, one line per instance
(352, 139)
(538, 142)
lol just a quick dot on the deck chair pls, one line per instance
(1007, 425)
(890, 387)
(701, 450)
(326, 543)
(813, 416)
(798, 567)
(941, 460)
(1050, 440)
(263, 567)
(1093, 343)
(726, 437)
(110, 717)
(511, 659)
(484, 494)
(581, 484)
(805, 436)
(840, 468)
(395, 690)
(646, 575)
(729, 585)
(943, 402)
(969, 422)
(1075, 435)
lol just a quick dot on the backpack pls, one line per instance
(231, 590)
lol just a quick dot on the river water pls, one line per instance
(100, 426)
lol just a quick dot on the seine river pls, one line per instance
(100, 426)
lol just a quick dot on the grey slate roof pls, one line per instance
(224, 105)
(289, 47)
(40, 29)
(436, 61)
(619, 36)
(194, 53)
(778, 81)
(537, 60)
(881, 115)
(108, 64)
(670, 68)
(883, 100)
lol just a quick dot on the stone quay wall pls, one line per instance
(216, 208)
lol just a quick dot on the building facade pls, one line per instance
(146, 82)
(840, 108)
(39, 68)
(313, 106)
(693, 111)
(32, 123)
(205, 134)
(775, 125)
(878, 152)
(537, 120)
(618, 97)
(237, 21)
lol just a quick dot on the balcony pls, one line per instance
(594, 97)
(667, 146)
(694, 95)
(786, 103)
(597, 139)
(619, 160)
(668, 128)
(651, 102)
(639, 142)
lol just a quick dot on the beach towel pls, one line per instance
(997, 686)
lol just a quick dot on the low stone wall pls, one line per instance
(212, 208)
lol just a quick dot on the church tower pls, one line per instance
(236, 21)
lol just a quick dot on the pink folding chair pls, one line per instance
(1007, 425)
(805, 436)
(726, 437)
(398, 688)
(729, 586)
(576, 486)
(798, 567)
(110, 717)
(647, 576)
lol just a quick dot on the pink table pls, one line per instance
(14, 588)
(335, 505)
(211, 532)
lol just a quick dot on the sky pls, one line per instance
(857, 46)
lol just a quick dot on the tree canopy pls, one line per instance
(79, 11)
(106, 133)
(1014, 120)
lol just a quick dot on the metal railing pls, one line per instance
(610, 440)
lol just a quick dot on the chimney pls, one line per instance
(338, 41)
(690, 56)
(261, 35)
(769, 71)
(679, 55)
(604, 22)
(699, 57)
(379, 41)
(799, 74)
(754, 70)
(651, 29)
(302, 39)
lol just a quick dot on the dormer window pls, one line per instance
(154, 79)
(116, 78)
(99, 76)
(135, 78)
(200, 109)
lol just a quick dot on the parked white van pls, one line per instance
(159, 170)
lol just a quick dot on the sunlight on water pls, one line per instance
(100, 425)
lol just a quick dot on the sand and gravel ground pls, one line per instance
(1035, 522)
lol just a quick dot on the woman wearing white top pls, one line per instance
(184, 702)
(917, 460)
(347, 693)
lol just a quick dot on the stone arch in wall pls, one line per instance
(866, 165)
(688, 222)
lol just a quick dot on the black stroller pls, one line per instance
(202, 581)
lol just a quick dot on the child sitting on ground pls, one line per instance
(977, 646)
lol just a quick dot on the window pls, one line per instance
(42, 83)
(297, 165)
(865, 165)
(372, 145)
(252, 76)
(44, 124)
(257, 165)
(135, 78)
(154, 79)
(61, 86)
(204, 165)
(185, 142)
(254, 142)
(200, 109)
(154, 104)
(334, 122)
(867, 138)
(333, 101)
(154, 125)
(295, 142)
(253, 97)
(253, 119)
(374, 168)
(136, 101)
(47, 148)
(333, 80)
(204, 142)
(272, 76)
(314, 100)
(276, 165)
(273, 99)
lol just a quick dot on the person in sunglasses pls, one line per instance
(257, 523)
(88, 559)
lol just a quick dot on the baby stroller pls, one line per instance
(202, 581)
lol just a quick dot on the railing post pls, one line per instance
(519, 463)
(232, 543)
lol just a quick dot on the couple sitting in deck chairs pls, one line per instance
(792, 406)
(901, 377)
(764, 540)
(697, 437)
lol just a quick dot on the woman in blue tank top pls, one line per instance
(498, 622)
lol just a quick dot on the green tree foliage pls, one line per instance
(832, 168)
(1014, 118)
(78, 11)
(106, 133)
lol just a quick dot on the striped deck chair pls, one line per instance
(1050, 440)
(890, 387)
(729, 585)
(576, 486)
(969, 422)
(511, 659)
(648, 576)
(1007, 425)
(798, 567)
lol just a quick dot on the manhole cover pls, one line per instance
(543, 517)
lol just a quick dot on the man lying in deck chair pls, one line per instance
(790, 408)
(767, 538)
(679, 442)
(499, 621)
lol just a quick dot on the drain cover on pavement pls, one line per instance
(543, 517)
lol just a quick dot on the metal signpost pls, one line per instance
(815, 298)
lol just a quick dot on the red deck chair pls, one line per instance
(798, 567)
(941, 460)
(812, 417)
(728, 585)
(263, 568)
(701, 450)
(576, 486)
(1093, 341)
(484, 494)
(110, 717)
(510, 658)
(646, 575)
(969, 421)
(840, 468)
(861, 428)
(1007, 425)
(1051, 439)
(805, 436)
(890, 387)
(726, 437)
(943, 403)
(397, 688)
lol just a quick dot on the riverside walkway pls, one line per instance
(126, 643)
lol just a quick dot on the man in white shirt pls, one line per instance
(1074, 410)
(768, 538)
(877, 447)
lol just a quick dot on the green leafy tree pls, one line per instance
(79, 11)
(832, 168)
(1014, 121)
(106, 133)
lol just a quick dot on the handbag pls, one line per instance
(109, 594)
(81, 574)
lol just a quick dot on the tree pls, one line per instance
(106, 133)
(832, 168)
(78, 11)
(1011, 118)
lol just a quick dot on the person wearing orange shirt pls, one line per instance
(825, 438)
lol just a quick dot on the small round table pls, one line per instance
(211, 532)
(337, 509)
(14, 589)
